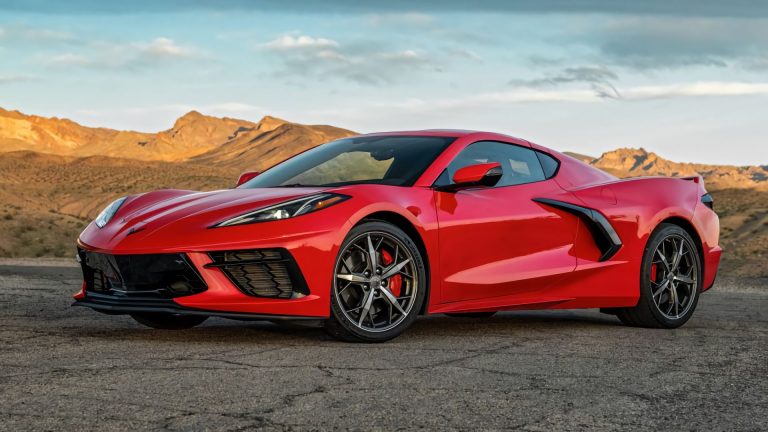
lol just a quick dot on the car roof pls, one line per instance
(456, 133)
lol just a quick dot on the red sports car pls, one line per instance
(363, 234)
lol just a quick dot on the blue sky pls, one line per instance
(687, 79)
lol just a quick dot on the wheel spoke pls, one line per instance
(354, 277)
(394, 269)
(366, 307)
(674, 299)
(671, 306)
(684, 279)
(661, 289)
(349, 284)
(678, 255)
(373, 259)
(392, 299)
(660, 253)
(346, 267)
(362, 249)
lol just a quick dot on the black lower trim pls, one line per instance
(159, 276)
(605, 237)
(114, 305)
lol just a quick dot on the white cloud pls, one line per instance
(289, 42)
(712, 88)
(405, 55)
(114, 55)
(362, 63)
(165, 48)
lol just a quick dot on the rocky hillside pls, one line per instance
(272, 141)
(211, 139)
(629, 162)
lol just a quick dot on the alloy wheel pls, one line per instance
(376, 281)
(673, 275)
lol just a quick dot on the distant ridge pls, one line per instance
(241, 144)
(193, 135)
(630, 162)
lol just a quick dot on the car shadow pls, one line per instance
(217, 330)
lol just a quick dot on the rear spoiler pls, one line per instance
(695, 179)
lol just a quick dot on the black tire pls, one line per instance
(647, 312)
(471, 314)
(341, 324)
(166, 321)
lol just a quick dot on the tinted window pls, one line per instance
(391, 160)
(548, 164)
(519, 164)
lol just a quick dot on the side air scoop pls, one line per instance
(606, 238)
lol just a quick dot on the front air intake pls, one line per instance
(155, 276)
(269, 273)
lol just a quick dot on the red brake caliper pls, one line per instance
(395, 283)
(654, 270)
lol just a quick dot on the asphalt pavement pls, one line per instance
(64, 368)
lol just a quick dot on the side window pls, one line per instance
(549, 164)
(519, 164)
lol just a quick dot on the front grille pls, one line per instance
(262, 272)
(151, 275)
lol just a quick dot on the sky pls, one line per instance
(687, 79)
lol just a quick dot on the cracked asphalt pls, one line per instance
(65, 368)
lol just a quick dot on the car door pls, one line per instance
(496, 241)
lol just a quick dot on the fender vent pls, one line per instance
(269, 273)
(605, 237)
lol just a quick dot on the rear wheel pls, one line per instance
(166, 321)
(379, 284)
(670, 281)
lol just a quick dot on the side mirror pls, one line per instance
(244, 177)
(486, 174)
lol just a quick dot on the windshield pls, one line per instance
(390, 160)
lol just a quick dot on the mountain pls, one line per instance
(262, 148)
(630, 162)
(60, 136)
(194, 135)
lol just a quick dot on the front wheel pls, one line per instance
(379, 284)
(670, 281)
(167, 321)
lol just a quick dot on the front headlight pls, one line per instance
(287, 209)
(106, 214)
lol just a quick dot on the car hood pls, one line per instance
(146, 214)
